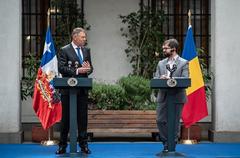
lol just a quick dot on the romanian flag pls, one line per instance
(46, 101)
(196, 107)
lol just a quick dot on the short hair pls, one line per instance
(77, 30)
(172, 43)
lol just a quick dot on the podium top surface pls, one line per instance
(170, 83)
(72, 82)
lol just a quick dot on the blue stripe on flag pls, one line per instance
(189, 50)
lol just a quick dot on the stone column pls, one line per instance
(225, 31)
(10, 69)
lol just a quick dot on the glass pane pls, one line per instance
(197, 26)
(33, 44)
(33, 24)
(185, 24)
(33, 6)
(25, 24)
(171, 6)
(185, 6)
(38, 6)
(38, 25)
(197, 42)
(198, 7)
(26, 43)
(171, 24)
(53, 22)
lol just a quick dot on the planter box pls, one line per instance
(194, 132)
(39, 134)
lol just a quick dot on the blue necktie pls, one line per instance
(79, 55)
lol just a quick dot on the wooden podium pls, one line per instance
(170, 85)
(73, 84)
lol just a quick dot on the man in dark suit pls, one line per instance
(170, 48)
(74, 60)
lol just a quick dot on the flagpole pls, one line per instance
(49, 141)
(188, 140)
(48, 17)
(189, 17)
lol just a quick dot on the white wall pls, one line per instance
(10, 52)
(105, 40)
(226, 55)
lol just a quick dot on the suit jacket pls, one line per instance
(181, 71)
(66, 54)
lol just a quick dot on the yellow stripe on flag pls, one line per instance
(195, 75)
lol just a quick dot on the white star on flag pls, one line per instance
(47, 47)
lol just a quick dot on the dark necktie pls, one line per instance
(79, 55)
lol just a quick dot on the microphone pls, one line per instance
(76, 64)
(69, 64)
(168, 67)
(171, 70)
(174, 68)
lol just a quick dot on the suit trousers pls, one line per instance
(162, 121)
(82, 118)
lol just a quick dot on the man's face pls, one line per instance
(80, 39)
(167, 51)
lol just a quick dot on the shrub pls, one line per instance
(137, 92)
(107, 97)
(129, 93)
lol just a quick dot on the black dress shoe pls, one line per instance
(165, 149)
(61, 150)
(85, 150)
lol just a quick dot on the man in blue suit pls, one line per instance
(170, 48)
(74, 60)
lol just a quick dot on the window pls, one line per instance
(176, 24)
(34, 24)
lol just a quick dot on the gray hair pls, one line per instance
(77, 30)
(172, 43)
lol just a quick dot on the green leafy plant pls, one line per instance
(107, 96)
(144, 39)
(27, 83)
(130, 93)
(137, 90)
(207, 74)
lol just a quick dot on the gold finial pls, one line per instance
(48, 17)
(189, 17)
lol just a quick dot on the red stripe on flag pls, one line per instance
(196, 107)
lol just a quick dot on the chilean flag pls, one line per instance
(46, 101)
(195, 108)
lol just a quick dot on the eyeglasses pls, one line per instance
(166, 48)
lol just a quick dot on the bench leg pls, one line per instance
(155, 136)
(90, 136)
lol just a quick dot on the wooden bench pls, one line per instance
(122, 121)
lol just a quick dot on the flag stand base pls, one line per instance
(189, 141)
(49, 142)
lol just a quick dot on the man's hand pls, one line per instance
(85, 68)
(164, 77)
